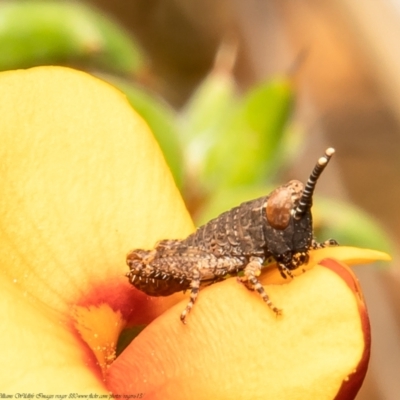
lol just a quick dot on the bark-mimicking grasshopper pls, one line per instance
(277, 226)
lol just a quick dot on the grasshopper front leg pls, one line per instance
(251, 272)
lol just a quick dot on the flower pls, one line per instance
(83, 182)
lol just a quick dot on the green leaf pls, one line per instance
(349, 225)
(208, 107)
(63, 33)
(246, 150)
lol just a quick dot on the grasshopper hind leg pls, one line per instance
(194, 292)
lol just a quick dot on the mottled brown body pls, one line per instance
(277, 226)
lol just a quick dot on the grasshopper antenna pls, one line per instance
(306, 199)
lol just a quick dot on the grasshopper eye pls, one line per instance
(279, 207)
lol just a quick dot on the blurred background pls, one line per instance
(243, 95)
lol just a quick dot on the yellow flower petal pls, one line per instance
(348, 255)
(82, 182)
(39, 350)
(100, 327)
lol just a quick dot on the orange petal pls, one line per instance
(234, 347)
